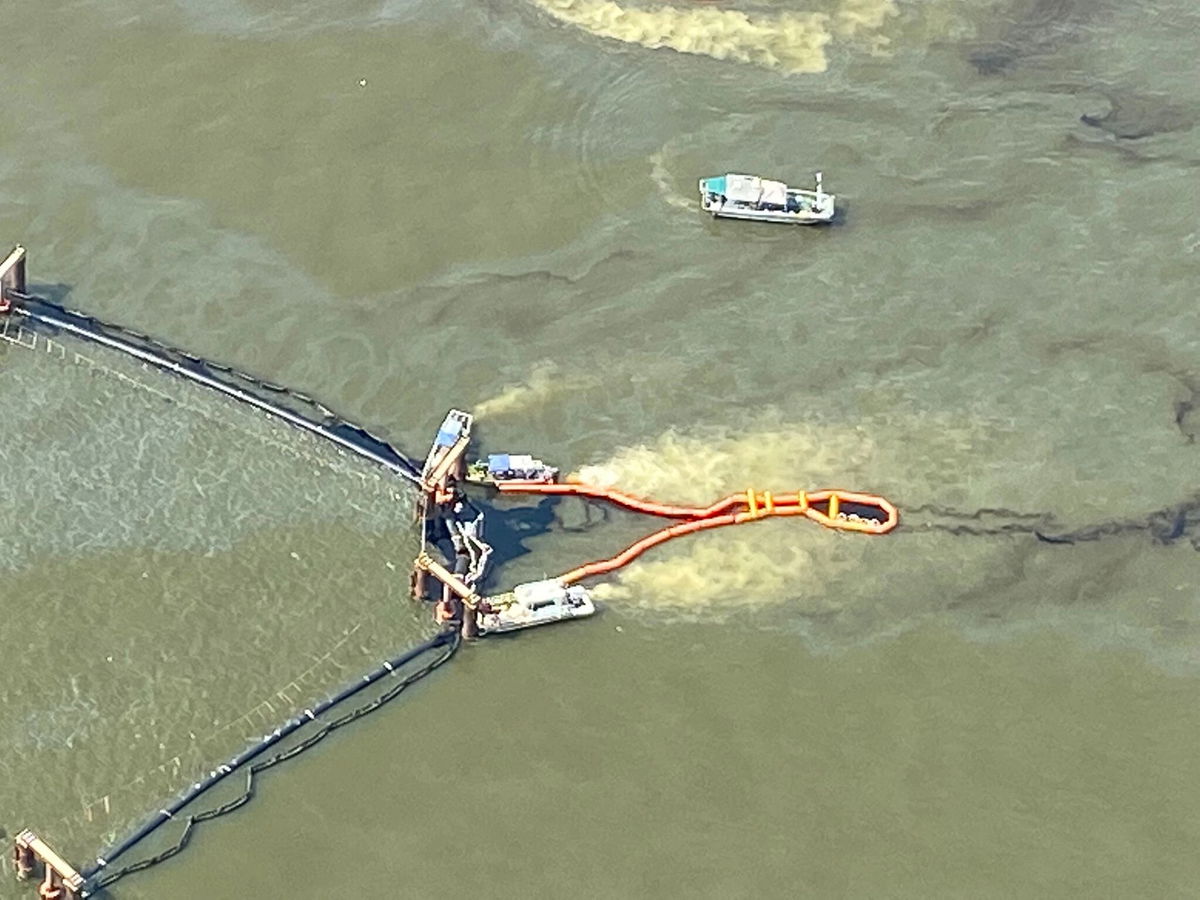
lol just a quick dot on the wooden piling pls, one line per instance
(470, 621)
(60, 880)
(12, 276)
(50, 889)
(420, 590)
(24, 862)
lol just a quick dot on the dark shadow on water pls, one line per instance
(55, 293)
(507, 530)
(995, 58)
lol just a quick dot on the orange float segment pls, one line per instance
(734, 509)
(835, 517)
(637, 504)
(838, 519)
(784, 505)
(636, 549)
(599, 493)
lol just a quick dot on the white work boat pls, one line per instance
(762, 200)
(510, 467)
(533, 604)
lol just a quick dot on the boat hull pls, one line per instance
(536, 603)
(777, 218)
(519, 618)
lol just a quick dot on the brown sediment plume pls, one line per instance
(792, 42)
(729, 571)
(756, 567)
(698, 467)
(715, 571)
(543, 381)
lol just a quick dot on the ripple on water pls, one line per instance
(594, 135)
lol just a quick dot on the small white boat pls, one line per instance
(762, 200)
(510, 467)
(533, 604)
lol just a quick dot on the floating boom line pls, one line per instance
(341, 432)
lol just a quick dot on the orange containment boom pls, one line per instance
(836, 509)
(620, 498)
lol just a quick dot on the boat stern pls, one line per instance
(823, 203)
(825, 207)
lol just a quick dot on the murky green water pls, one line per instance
(402, 207)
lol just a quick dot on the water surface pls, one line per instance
(402, 207)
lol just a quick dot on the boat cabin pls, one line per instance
(536, 603)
